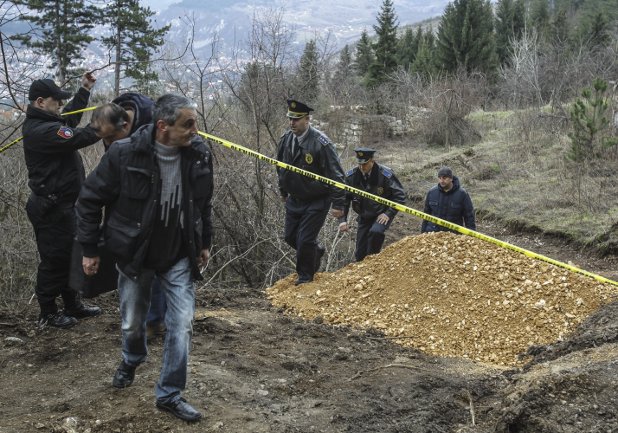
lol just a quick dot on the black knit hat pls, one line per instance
(445, 172)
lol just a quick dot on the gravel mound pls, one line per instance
(451, 295)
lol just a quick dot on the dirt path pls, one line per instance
(255, 369)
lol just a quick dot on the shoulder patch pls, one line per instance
(323, 139)
(387, 172)
(350, 172)
(65, 132)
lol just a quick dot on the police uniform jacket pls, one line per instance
(317, 155)
(454, 206)
(126, 182)
(55, 168)
(382, 182)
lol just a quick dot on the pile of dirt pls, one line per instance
(451, 295)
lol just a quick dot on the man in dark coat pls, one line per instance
(156, 187)
(122, 117)
(448, 201)
(56, 173)
(115, 121)
(373, 218)
(307, 201)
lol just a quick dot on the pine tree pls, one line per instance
(386, 46)
(590, 116)
(598, 33)
(466, 38)
(133, 42)
(510, 24)
(364, 55)
(309, 73)
(61, 31)
(539, 16)
(344, 77)
(344, 66)
(408, 47)
(559, 29)
(424, 62)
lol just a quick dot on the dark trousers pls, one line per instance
(303, 222)
(54, 229)
(369, 237)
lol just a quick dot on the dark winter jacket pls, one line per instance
(126, 183)
(454, 206)
(55, 168)
(382, 182)
(317, 155)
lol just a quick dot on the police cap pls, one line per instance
(46, 88)
(364, 154)
(297, 110)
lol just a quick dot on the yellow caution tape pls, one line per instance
(405, 209)
(5, 147)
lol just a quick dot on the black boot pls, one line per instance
(83, 310)
(57, 320)
(124, 375)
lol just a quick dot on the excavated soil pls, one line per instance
(451, 295)
(256, 367)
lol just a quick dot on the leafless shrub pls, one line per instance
(520, 84)
(449, 102)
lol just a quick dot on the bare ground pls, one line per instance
(254, 368)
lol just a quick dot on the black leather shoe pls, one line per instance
(181, 409)
(57, 320)
(124, 375)
(318, 257)
(83, 310)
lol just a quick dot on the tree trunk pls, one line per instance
(118, 58)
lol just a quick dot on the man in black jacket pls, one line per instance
(115, 121)
(122, 117)
(56, 172)
(448, 201)
(373, 218)
(307, 201)
(156, 187)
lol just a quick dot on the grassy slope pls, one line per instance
(518, 173)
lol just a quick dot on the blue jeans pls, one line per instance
(177, 286)
(156, 313)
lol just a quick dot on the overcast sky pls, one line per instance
(157, 5)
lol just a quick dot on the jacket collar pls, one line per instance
(36, 113)
(373, 175)
(145, 138)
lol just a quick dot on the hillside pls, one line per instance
(257, 368)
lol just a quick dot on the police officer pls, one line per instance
(373, 218)
(307, 201)
(56, 172)
(448, 201)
